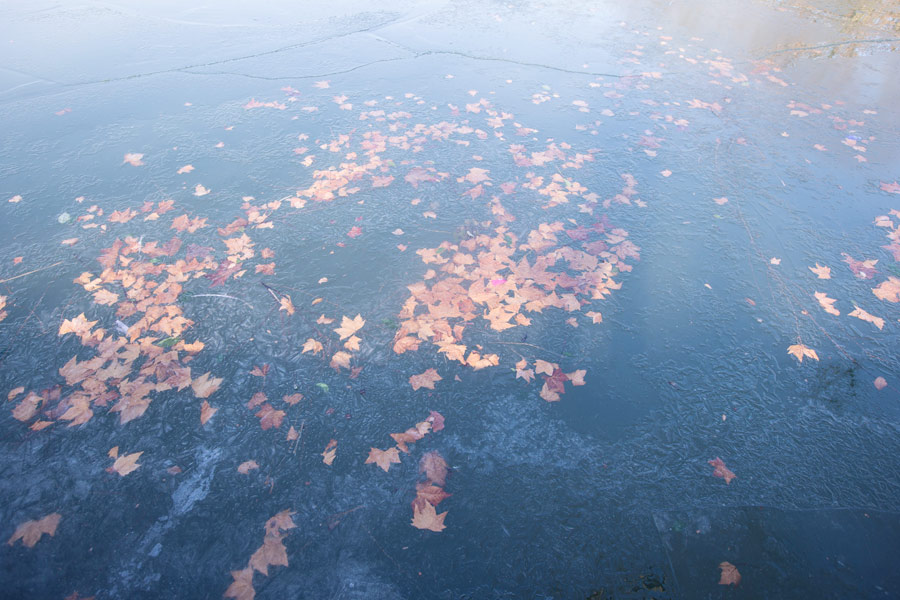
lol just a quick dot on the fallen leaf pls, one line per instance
(125, 464)
(311, 345)
(15, 392)
(206, 412)
(821, 272)
(30, 532)
(204, 386)
(245, 467)
(199, 190)
(426, 517)
(134, 159)
(383, 458)
(730, 574)
(287, 305)
(434, 466)
(721, 470)
(861, 314)
(426, 379)
(828, 304)
(242, 586)
(427, 492)
(880, 383)
(185, 169)
(799, 351)
(330, 452)
(350, 326)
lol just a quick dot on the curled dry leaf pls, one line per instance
(721, 471)
(330, 452)
(30, 532)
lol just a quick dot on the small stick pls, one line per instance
(30, 272)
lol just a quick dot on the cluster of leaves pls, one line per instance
(271, 553)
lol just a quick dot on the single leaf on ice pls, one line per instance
(30, 532)
(125, 464)
(383, 458)
(799, 351)
(730, 574)
(434, 466)
(248, 465)
(880, 383)
(293, 399)
(199, 190)
(80, 326)
(861, 314)
(350, 326)
(426, 379)
(287, 305)
(821, 272)
(206, 412)
(205, 385)
(827, 304)
(185, 169)
(721, 471)
(864, 269)
(425, 517)
(134, 159)
(258, 371)
(594, 316)
(330, 452)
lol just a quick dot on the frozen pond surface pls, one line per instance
(623, 282)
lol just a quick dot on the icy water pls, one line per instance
(622, 284)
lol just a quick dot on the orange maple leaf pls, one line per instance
(330, 452)
(30, 532)
(426, 379)
(204, 386)
(799, 351)
(124, 465)
(383, 458)
(426, 517)
(287, 305)
(350, 326)
(242, 586)
(311, 345)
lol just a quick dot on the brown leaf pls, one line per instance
(245, 467)
(880, 383)
(258, 371)
(311, 345)
(425, 517)
(272, 552)
(330, 452)
(426, 380)
(432, 494)
(269, 417)
(861, 314)
(721, 470)
(206, 412)
(730, 574)
(204, 386)
(827, 304)
(821, 272)
(434, 466)
(383, 458)
(293, 399)
(287, 305)
(242, 586)
(30, 532)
